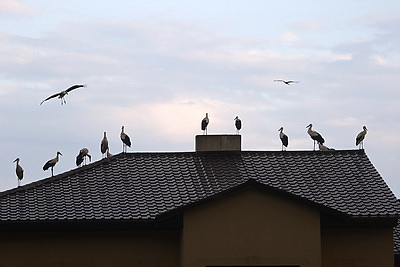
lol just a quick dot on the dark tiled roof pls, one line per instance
(143, 186)
(396, 240)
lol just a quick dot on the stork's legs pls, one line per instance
(314, 145)
(52, 172)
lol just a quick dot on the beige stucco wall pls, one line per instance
(357, 247)
(251, 227)
(94, 249)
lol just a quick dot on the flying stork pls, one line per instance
(284, 139)
(62, 94)
(360, 138)
(19, 171)
(204, 124)
(104, 145)
(315, 135)
(51, 163)
(83, 153)
(238, 124)
(286, 82)
(126, 141)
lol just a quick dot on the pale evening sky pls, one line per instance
(158, 66)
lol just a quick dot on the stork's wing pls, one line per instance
(50, 97)
(127, 140)
(75, 87)
(279, 81)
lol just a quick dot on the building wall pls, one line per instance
(94, 249)
(248, 228)
(251, 227)
(357, 247)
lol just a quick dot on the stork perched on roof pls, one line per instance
(51, 163)
(19, 171)
(126, 141)
(204, 124)
(62, 94)
(104, 145)
(315, 135)
(83, 153)
(286, 82)
(284, 138)
(238, 124)
(360, 138)
(323, 147)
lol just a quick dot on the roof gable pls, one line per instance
(143, 186)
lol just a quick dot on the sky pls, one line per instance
(157, 67)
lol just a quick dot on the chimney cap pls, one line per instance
(222, 142)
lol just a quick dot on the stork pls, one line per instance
(360, 138)
(323, 147)
(238, 124)
(315, 135)
(284, 139)
(83, 153)
(204, 124)
(286, 82)
(51, 163)
(126, 141)
(19, 171)
(104, 145)
(62, 94)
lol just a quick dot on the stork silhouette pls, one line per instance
(62, 94)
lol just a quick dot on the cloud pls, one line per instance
(289, 37)
(379, 60)
(13, 8)
(310, 25)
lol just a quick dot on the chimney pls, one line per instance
(222, 142)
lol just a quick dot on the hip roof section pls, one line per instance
(143, 186)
